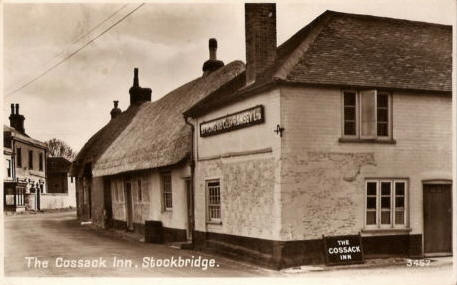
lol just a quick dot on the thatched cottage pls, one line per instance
(137, 168)
(343, 130)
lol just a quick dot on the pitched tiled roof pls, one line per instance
(349, 50)
(57, 165)
(372, 51)
(9, 132)
(155, 134)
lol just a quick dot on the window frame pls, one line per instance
(9, 172)
(31, 159)
(209, 219)
(40, 162)
(393, 191)
(165, 208)
(358, 116)
(19, 157)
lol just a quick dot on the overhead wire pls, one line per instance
(73, 53)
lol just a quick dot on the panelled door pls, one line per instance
(437, 219)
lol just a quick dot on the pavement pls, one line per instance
(56, 244)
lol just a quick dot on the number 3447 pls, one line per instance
(417, 262)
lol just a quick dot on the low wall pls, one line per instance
(57, 201)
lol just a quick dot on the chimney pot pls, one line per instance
(115, 111)
(212, 63)
(212, 49)
(16, 120)
(137, 93)
(135, 77)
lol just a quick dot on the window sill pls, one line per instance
(369, 231)
(214, 222)
(358, 140)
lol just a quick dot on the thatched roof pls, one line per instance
(352, 51)
(153, 134)
(101, 140)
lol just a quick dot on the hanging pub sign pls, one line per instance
(341, 250)
(230, 122)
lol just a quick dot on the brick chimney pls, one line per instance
(260, 27)
(212, 63)
(115, 111)
(17, 120)
(138, 94)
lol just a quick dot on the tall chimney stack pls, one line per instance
(212, 63)
(16, 119)
(260, 28)
(138, 94)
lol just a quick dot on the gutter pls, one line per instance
(192, 175)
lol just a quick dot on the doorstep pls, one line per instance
(181, 245)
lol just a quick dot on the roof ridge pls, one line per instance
(369, 16)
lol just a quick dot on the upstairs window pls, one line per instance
(30, 159)
(19, 157)
(167, 191)
(40, 165)
(367, 114)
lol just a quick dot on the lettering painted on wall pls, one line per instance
(230, 122)
(343, 250)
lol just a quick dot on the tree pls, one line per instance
(58, 148)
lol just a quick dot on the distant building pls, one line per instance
(25, 177)
(61, 186)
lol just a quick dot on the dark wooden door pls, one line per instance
(437, 218)
(129, 206)
(108, 203)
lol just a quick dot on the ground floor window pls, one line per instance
(167, 191)
(213, 192)
(386, 203)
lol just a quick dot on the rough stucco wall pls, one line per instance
(328, 202)
(315, 166)
(250, 187)
(247, 196)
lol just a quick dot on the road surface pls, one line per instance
(52, 244)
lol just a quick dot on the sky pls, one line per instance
(168, 42)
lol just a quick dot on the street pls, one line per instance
(55, 244)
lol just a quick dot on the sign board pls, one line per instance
(341, 250)
(230, 122)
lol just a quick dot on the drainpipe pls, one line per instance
(192, 171)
